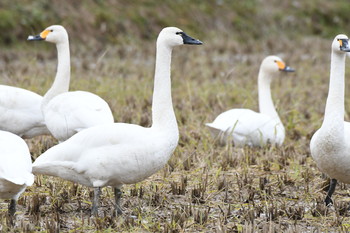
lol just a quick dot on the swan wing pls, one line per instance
(20, 112)
(16, 164)
(71, 112)
(247, 127)
(107, 155)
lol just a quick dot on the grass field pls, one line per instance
(204, 187)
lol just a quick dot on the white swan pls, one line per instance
(117, 154)
(246, 127)
(67, 113)
(15, 168)
(330, 145)
(20, 112)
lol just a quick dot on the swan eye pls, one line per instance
(51, 30)
(179, 33)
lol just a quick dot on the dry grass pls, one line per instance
(204, 187)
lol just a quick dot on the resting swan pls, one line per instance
(67, 113)
(246, 127)
(20, 112)
(119, 153)
(330, 145)
(15, 168)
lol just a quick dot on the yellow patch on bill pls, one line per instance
(341, 43)
(44, 34)
(281, 65)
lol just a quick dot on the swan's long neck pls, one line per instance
(62, 79)
(163, 115)
(334, 113)
(266, 105)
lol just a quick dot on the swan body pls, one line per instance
(109, 155)
(20, 112)
(330, 145)
(84, 110)
(117, 154)
(67, 113)
(246, 127)
(331, 152)
(15, 168)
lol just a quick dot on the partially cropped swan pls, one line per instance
(15, 168)
(67, 113)
(20, 112)
(117, 154)
(330, 145)
(246, 127)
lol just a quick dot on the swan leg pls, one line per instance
(96, 201)
(12, 208)
(330, 192)
(117, 196)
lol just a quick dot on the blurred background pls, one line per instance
(111, 21)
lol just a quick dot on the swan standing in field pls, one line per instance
(67, 113)
(246, 127)
(15, 168)
(20, 112)
(330, 145)
(119, 153)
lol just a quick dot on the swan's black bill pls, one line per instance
(287, 69)
(33, 38)
(189, 40)
(344, 45)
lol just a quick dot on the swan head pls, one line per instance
(173, 36)
(55, 34)
(341, 43)
(273, 64)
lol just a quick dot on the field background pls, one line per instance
(204, 187)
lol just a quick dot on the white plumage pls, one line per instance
(80, 111)
(246, 127)
(15, 168)
(109, 155)
(20, 112)
(117, 154)
(330, 145)
(67, 113)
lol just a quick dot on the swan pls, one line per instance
(120, 153)
(330, 145)
(20, 112)
(247, 127)
(15, 168)
(67, 113)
